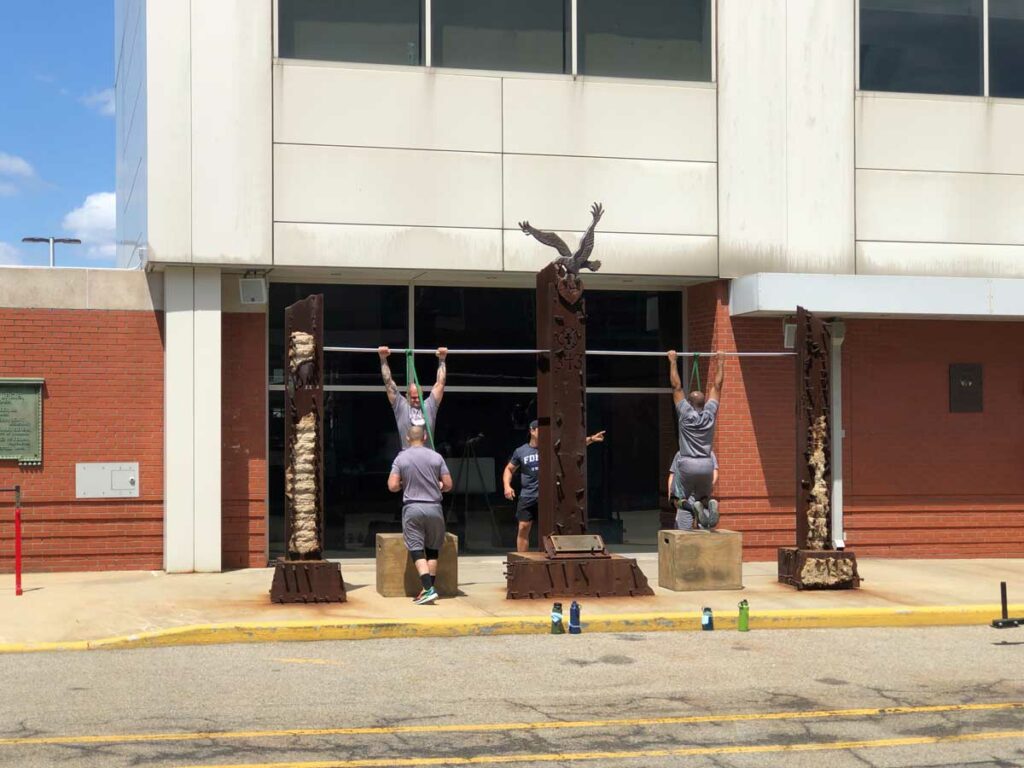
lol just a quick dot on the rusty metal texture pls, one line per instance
(304, 577)
(827, 569)
(307, 581)
(531, 575)
(561, 403)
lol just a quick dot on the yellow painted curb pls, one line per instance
(374, 629)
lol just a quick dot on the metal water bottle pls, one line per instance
(707, 620)
(557, 627)
(574, 619)
(743, 622)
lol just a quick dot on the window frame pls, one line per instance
(426, 35)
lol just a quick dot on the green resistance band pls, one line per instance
(696, 371)
(410, 375)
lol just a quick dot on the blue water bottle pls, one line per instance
(707, 620)
(574, 619)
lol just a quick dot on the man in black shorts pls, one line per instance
(526, 459)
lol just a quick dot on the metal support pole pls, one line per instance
(838, 330)
(52, 262)
(17, 536)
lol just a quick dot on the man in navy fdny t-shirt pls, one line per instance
(526, 460)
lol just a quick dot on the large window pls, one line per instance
(921, 46)
(513, 35)
(938, 46)
(1006, 48)
(372, 31)
(665, 39)
(489, 402)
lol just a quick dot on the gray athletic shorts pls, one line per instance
(423, 526)
(693, 478)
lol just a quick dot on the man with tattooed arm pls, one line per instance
(414, 411)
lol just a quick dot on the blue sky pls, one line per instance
(57, 129)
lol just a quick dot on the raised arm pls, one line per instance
(385, 371)
(715, 392)
(673, 377)
(442, 375)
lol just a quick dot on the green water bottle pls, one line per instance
(743, 623)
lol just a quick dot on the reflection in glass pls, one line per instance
(663, 39)
(354, 316)
(921, 46)
(510, 35)
(650, 321)
(371, 31)
(1006, 48)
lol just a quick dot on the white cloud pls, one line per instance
(9, 254)
(18, 167)
(93, 223)
(100, 101)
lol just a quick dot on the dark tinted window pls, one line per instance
(513, 35)
(664, 39)
(1006, 48)
(632, 320)
(921, 46)
(354, 316)
(478, 318)
(373, 31)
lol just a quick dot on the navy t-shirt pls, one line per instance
(526, 459)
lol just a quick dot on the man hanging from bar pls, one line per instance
(677, 490)
(696, 419)
(414, 411)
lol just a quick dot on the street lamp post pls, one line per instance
(51, 241)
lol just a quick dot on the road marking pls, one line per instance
(566, 757)
(324, 662)
(491, 727)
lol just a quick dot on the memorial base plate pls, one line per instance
(531, 575)
(818, 569)
(307, 581)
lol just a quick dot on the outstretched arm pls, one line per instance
(597, 437)
(715, 392)
(442, 375)
(673, 377)
(385, 371)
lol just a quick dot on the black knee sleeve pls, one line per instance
(432, 554)
(417, 554)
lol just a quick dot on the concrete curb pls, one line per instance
(375, 629)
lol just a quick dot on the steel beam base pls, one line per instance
(818, 569)
(531, 575)
(307, 581)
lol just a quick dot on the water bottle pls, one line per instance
(743, 623)
(574, 619)
(557, 627)
(707, 620)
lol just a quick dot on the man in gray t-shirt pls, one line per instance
(422, 476)
(696, 416)
(414, 411)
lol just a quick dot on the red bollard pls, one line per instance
(17, 549)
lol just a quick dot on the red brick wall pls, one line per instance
(102, 402)
(918, 480)
(244, 440)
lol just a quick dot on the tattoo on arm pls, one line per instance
(389, 384)
(442, 373)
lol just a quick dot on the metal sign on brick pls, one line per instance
(21, 420)
(107, 481)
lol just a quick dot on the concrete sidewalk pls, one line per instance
(144, 608)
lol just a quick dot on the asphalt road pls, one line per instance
(929, 697)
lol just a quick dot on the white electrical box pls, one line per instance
(107, 481)
(252, 290)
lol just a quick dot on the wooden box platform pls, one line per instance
(697, 560)
(397, 577)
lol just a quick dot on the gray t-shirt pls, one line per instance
(527, 460)
(421, 469)
(406, 416)
(696, 429)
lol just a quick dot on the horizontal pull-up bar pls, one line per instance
(595, 352)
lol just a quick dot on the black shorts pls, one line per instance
(527, 513)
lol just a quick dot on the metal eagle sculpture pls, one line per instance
(571, 262)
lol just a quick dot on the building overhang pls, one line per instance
(770, 294)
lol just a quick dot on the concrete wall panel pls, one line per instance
(948, 259)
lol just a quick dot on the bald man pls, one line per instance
(414, 411)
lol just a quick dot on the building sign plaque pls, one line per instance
(21, 420)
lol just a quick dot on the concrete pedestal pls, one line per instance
(696, 560)
(397, 577)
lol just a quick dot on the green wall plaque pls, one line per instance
(21, 420)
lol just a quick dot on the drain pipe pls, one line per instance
(838, 330)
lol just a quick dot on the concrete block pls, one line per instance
(397, 577)
(698, 560)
